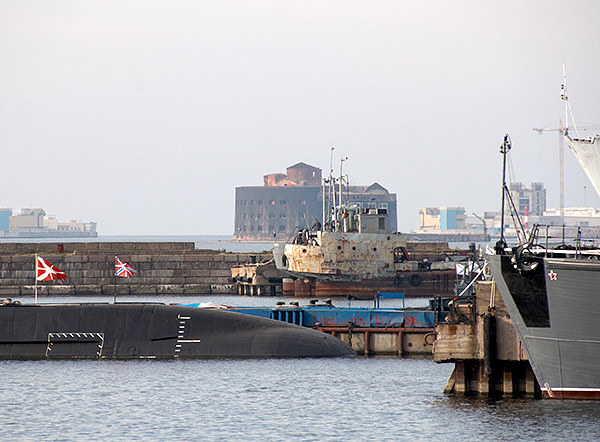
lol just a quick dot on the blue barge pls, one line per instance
(327, 315)
(369, 330)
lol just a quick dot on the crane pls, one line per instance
(561, 165)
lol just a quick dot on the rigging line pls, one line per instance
(511, 170)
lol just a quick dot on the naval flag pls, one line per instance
(45, 271)
(122, 269)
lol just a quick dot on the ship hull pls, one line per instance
(152, 331)
(361, 264)
(423, 284)
(556, 311)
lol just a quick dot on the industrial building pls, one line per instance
(33, 222)
(287, 202)
(442, 218)
(528, 201)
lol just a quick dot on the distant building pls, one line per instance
(5, 215)
(287, 202)
(29, 220)
(430, 218)
(300, 174)
(452, 218)
(442, 218)
(530, 202)
(51, 223)
(572, 217)
(35, 223)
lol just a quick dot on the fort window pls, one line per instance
(282, 202)
(260, 202)
(272, 202)
(282, 215)
(303, 202)
(252, 228)
(251, 202)
(259, 228)
(282, 228)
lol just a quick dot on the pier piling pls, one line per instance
(480, 339)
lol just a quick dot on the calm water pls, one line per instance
(268, 400)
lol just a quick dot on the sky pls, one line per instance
(143, 116)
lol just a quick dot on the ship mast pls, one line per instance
(568, 110)
(341, 176)
(504, 149)
(331, 182)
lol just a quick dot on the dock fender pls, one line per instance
(429, 338)
(415, 280)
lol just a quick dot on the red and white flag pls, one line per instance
(45, 271)
(122, 269)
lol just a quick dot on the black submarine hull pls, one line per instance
(153, 331)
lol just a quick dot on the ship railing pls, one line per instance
(552, 241)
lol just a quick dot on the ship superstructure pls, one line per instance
(355, 253)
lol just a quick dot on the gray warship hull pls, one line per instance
(556, 311)
(152, 331)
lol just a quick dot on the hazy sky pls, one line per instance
(145, 115)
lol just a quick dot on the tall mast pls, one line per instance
(331, 183)
(323, 196)
(568, 111)
(506, 145)
(341, 176)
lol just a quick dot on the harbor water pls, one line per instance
(380, 399)
(268, 400)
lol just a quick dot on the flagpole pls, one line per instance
(115, 292)
(36, 267)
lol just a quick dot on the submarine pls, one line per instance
(152, 331)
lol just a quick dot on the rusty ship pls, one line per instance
(355, 254)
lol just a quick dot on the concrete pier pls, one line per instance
(480, 339)
(258, 278)
(167, 268)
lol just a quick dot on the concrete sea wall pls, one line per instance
(162, 268)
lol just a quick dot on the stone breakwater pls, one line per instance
(167, 268)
